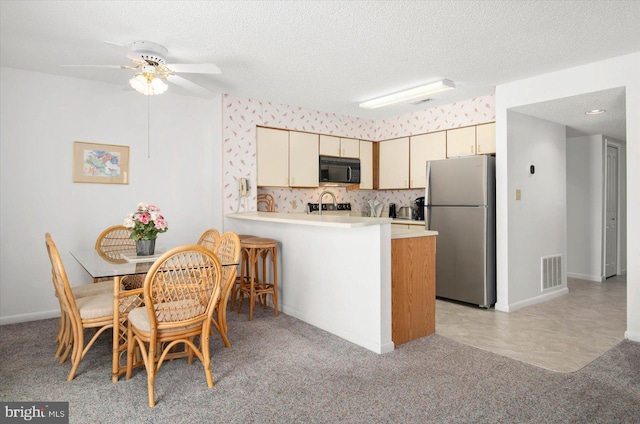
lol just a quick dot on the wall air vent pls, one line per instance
(419, 102)
(551, 271)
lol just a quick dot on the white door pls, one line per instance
(611, 216)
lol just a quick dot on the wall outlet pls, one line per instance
(244, 187)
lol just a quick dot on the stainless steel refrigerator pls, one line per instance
(460, 205)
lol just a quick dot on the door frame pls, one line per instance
(621, 157)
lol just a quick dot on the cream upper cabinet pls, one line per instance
(303, 159)
(329, 145)
(349, 148)
(339, 147)
(486, 138)
(366, 165)
(461, 142)
(272, 157)
(423, 148)
(394, 164)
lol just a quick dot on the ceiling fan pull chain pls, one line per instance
(148, 128)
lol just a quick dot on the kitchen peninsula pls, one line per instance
(334, 271)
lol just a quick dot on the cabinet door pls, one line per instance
(461, 142)
(303, 159)
(423, 148)
(366, 165)
(329, 145)
(349, 148)
(272, 156)
(486, 138)
(394, 164)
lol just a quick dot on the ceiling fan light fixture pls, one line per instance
(148, 84)
(411, 94)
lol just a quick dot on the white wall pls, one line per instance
(620, 71)
(538, 220)
(42, 115)
(584, 207)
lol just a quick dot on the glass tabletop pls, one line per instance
(99, 266)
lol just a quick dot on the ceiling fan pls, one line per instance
(149, 60)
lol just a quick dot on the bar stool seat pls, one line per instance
(256, 248)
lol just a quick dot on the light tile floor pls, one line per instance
(562, 334)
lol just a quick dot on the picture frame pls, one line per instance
(100, 163)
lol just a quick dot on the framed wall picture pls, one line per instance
(100, 163)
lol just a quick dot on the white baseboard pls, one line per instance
(511, 307)
(596, 278)
(634, 336)
(35, 316)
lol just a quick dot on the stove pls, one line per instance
(339, 209)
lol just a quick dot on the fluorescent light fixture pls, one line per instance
(595, 112)
(411, 94)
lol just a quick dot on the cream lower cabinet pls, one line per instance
(394, 164)
(366, 165)
(272, 156)
(303, 159)
(423, 148)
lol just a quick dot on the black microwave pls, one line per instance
(339, 171)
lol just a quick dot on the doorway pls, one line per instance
(611, 212)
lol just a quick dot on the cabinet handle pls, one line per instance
(479, 148)
(472, 149)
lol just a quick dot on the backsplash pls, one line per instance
(295, 200)
(241, 116)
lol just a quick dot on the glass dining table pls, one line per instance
(128, 272)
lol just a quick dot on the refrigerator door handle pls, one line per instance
(427, 199)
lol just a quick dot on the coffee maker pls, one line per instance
(418, 209)
(392, 210)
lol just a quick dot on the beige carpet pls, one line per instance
(562, 334)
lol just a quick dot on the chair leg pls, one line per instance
(150, 365)
(274, 296)
(206, 358)
(76, 353)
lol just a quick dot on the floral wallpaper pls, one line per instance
(241, 116)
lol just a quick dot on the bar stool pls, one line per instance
(266, 202)
(255, 248)
(243, 275)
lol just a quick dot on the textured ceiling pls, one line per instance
(325, 55)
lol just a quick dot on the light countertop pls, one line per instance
(309, 219)
(404, 233)
(407, 222)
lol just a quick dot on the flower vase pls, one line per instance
(145, 247)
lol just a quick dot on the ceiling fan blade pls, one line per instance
(123, 50)
(92, 66)
(195, 68)
(191, 86)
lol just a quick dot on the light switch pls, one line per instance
(518, 194)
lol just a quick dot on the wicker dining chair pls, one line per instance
(228, 250)
(79, 313)
(180, 292)
(209, 239)
(112, 242)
